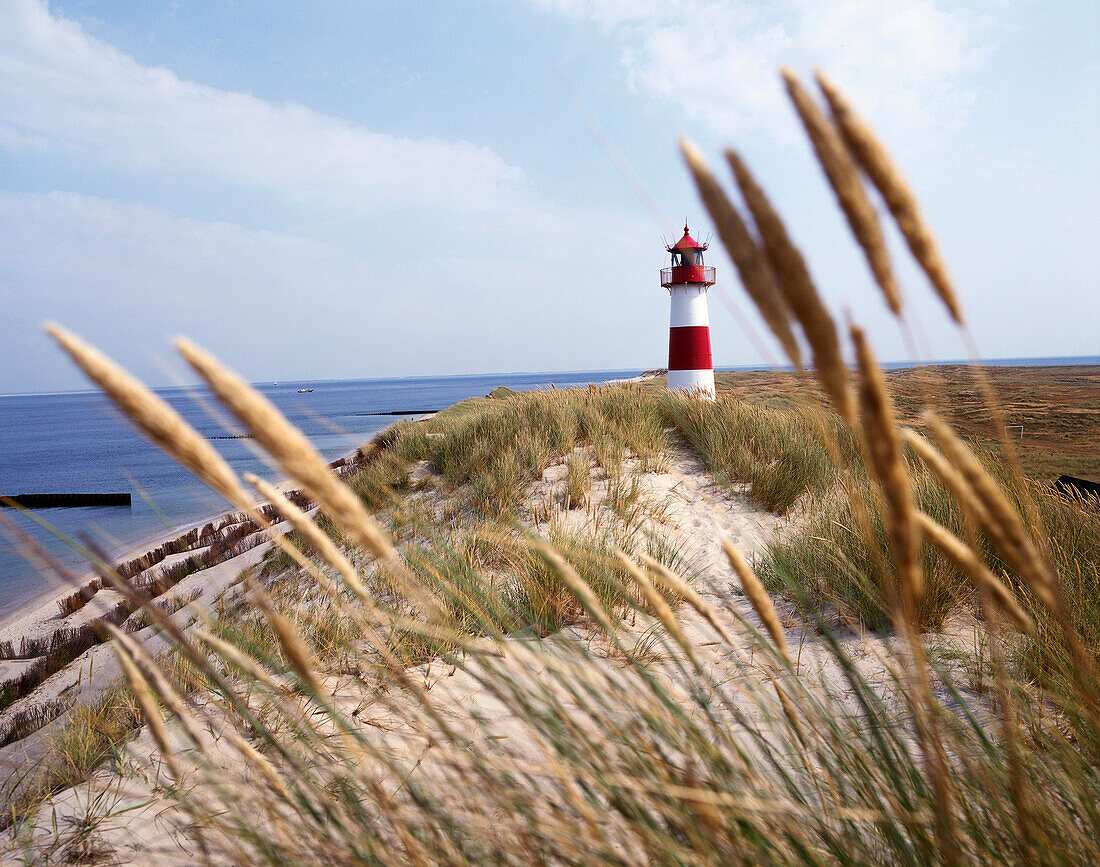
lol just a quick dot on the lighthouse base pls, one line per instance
(700, 382)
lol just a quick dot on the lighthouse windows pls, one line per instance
(693, 258)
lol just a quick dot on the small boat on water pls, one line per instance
(305, 390)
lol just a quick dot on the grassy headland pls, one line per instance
(472, 585)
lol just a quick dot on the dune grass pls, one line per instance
(643, 717)
(490, 582)
(88, 734)
(780, 453)
(798, 457)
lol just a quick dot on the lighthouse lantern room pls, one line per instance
(687, 280)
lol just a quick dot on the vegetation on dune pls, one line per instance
(499, 447)
(780, 453)
(836, 551)
(1051, 412)
(620, 708)
(90, 733)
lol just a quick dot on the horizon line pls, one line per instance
(1082, 360)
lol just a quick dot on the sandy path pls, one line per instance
(134, 823)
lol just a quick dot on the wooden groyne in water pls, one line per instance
(65, 501)
(401, 412)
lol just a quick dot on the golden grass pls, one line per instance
(875, 161)
(289, 446)
(1000, 521)
(797, 286)
(976, 570)
(758, 598)
(843, 176)
(153, 416)
(605, 721)
(313, 537)
(752, 266)
(880, 433)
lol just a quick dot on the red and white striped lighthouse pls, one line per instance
(689, 363)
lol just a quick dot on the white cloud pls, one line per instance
(133, 276)
(904, 61)
(66, 93)
(503, 291)
(130, 277)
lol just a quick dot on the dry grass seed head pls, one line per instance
(149, 709)
(951, 478)
(797, 286)
(162, 424)
(656, 602)
(1003, 524)
(258, 760)
(884, 449)
(290, 448)
(294, 649)
(752, 264)
(964, 557)
(844, 178)
(872, 156)
(155, 676)
(684, 590)
(758, 597)
(313, 536)
(172, 434)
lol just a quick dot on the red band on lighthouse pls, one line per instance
(689, 348)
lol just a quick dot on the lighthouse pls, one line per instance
(689, 363)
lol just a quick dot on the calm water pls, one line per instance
(55, 443)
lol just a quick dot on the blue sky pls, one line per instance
(353, 189)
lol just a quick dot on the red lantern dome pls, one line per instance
(687, 263)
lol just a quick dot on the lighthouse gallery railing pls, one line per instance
(687, 274)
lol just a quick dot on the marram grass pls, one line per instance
(623, 713)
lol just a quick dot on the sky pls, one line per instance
(389, 188)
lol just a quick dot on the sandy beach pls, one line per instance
(41, 621)
(19, 622)
(679, 498)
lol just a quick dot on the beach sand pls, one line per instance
(683, 502)
(96, 668)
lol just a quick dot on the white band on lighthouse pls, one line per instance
(689, 305)
(701, 381)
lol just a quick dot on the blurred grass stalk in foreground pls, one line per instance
(663, 725)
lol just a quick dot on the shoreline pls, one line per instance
(41, 619)
(19, 621)
(30, 610)
(63, 588)
(59, 588)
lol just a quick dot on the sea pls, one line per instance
(78, 443)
